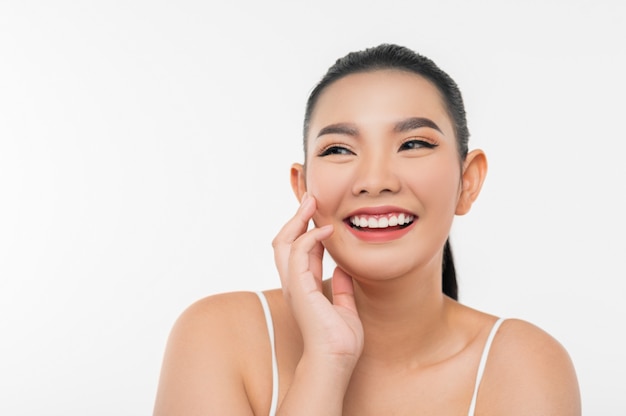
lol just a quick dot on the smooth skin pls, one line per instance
(378, 337)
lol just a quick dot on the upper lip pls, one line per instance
(385, 209)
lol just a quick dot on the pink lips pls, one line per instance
(383, 234)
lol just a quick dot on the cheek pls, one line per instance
(437, 185)
(328, 188)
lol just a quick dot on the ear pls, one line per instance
(474, 173)
(298, 182)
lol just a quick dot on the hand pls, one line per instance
(329, 330)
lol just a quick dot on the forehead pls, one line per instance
(379, 98)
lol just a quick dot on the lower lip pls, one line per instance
(380, 235)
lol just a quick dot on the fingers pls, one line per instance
(298, 252)
(293, 229)
(298, 224)
(327, 329)
(343, 290)
(305, 257)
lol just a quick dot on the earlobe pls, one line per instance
(298, 182)
(474, 173)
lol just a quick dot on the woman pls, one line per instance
(386, 170)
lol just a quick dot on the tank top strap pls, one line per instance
(270, 329)
(483, 362)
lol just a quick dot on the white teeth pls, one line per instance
(382, 222)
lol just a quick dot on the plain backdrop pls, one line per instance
(145, 149)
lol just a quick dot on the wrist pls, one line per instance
(319, 386)
(335, 367)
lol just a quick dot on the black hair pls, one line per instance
(390, 56)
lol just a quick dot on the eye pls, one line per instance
(417, 144)
(335, 150)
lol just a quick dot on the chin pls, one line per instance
(374, 268)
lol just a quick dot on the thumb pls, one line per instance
(343, 290)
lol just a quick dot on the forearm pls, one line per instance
(318, 388)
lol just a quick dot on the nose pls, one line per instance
(375, 175)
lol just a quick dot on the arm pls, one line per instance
(201, 372)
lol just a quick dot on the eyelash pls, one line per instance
(421, 144)
(341, 150)
(335, 150)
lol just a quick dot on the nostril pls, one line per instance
(382, 191)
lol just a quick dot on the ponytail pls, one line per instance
(448, 275)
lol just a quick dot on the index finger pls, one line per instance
(293, 229)
(298, 224)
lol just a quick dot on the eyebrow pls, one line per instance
(339, 128)
(415, 123)
(401, 126)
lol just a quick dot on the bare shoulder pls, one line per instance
(209, 357)
(528, 372)
(218, 312)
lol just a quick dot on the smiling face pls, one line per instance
(383, 165)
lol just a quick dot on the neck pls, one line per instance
(405, 319)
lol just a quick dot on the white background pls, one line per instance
(144, 158)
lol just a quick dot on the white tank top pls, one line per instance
(270, 330)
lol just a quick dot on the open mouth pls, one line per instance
(386, 222)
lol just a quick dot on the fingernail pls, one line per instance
(327, 227)
(305, 201)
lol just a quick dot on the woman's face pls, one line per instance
(383, 165)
